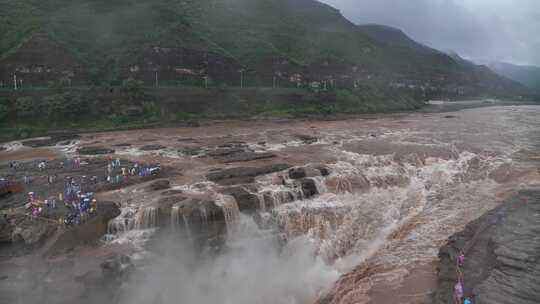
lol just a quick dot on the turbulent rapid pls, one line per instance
(396, 188)
(339, 208)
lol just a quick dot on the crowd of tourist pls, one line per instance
(77, 196)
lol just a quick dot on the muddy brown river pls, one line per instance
(397, 187)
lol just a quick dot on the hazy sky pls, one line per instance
(499, 30)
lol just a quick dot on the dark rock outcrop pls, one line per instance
(192, 151)
(171, 192)
(323, 170)
(88, 232)
(246, 156)
(64, 136)
(26, 230)
(243, 173)
(36, 143)
(6, 229)
(108, 210)
(306, 139)
(224, 151)
(309, 188)
(297, 173)
(308, 171)
(246, 201)
(159, 184)
(502, 255)
(152, 147)
(94, 151)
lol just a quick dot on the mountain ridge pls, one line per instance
(525, 74)
(295, 43)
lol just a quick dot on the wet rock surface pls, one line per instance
(308, 171)
(94, 150)
(309, 188)
(171, 192)
(246, 156)
(36, 143)
(502, 255)
(243, 174)
(152, 147)
(306, 139)
(297, 173)
(6, 230)
(227, 153)
(29, 231)
(160, 184)
(246, 200)
(191, 151)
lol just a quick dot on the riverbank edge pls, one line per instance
(426, 108)
(495, 259)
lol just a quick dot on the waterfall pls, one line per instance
(204, 215)
(186, 224)
(134, 225)
(262, 202)
(320, 184)
(230, 210)
(146, 218)
(175, 217)
(123, 222)
(131, 218)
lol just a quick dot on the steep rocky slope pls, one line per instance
(502, 255)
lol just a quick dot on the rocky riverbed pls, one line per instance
(502, 250)
(340, 211)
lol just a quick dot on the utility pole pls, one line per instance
(15, 81)
(205, 82)
(157, 83)
(274, 82)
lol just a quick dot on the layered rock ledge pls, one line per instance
(502, 255)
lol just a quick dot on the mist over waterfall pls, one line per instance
(251, 268)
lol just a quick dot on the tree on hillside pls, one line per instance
(4, 109)
(65, 106)
(134, 88)
(26, 107)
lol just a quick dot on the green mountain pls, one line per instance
(393, 37)
(290, 42)
(527, 75)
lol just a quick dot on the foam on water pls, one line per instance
(349, 221)
(134, 226)
(137, 152)
(13, 146)
(69, 149)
